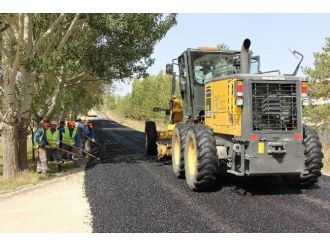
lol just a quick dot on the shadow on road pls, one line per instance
(262, 185)
(257, 186)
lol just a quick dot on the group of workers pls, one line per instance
(62, 142)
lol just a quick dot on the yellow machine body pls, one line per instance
(177, 114)
(164, 149)
(221, 112)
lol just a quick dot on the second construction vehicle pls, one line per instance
(233, 118)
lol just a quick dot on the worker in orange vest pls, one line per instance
(70, 139)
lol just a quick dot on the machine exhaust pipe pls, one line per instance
(245, 57)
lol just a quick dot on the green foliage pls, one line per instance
(147, 93)
(124, 43)
(318, 116)
(109, 47)
(110, 102)
(320, 74)
(319, 88)
(80, 99)
(223, 47)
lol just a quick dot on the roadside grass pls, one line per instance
(326, 160)
(31, 177)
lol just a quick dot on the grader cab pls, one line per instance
(233, 118)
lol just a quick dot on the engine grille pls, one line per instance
(274, 106)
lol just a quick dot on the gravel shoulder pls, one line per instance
(57, 206)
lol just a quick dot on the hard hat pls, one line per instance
(53, 123)
(44, 121)
(71, 123)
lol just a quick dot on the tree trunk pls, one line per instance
(9, 131)
(24, 118)
(10, 152)
(22, 148)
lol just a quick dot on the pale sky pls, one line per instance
(271, 36)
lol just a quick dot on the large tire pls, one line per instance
(150, 138)
(178, 145)
(313, 161)
(200, 158)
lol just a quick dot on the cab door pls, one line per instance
(185, 87)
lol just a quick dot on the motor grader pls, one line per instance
(232, 118)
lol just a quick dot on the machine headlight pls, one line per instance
(239, 101)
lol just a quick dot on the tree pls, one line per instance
(223, 47)
(147, 93)
(319, 87)
(108, 49)
(46, 54)
(125, 43)
(24, 39)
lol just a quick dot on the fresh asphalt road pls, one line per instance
(130, 192)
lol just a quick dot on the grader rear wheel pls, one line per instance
(200, 158)
(178, 144)
(313, 161)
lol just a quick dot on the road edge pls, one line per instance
(8, 195)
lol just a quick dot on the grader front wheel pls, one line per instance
(200, 158)
(178, 144)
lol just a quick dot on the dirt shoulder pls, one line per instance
(131, 123)
(57, 206)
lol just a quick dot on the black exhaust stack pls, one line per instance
(245, 57)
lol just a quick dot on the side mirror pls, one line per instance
(169, 69)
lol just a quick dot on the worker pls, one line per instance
(40, 143)
(62, 125)
(53, 142)
(70, 139)
(207, 73)
(80, 132)
(203, 72)
(89, 133)
(60, 129)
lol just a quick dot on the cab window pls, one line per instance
(210, 66)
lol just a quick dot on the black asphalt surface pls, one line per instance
(129, 192)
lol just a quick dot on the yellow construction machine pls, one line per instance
(234, 119)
